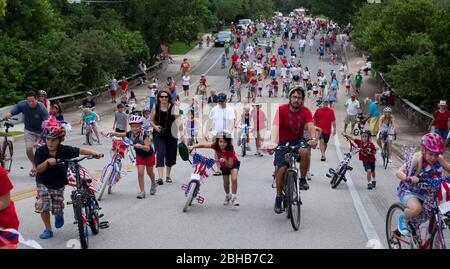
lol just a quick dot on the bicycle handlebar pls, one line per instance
(77, 160)
(434, 182)
(294, 148)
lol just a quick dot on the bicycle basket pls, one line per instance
(85, 177)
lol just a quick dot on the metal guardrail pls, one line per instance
(415, 114)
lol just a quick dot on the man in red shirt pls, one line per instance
(284, 60)
(441, 120)
(124, 85)
(288, 125)
(273, 60)
(324, 118)
(234, 58)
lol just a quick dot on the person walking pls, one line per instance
(353, 108)
(34, 113)
(441, 121)
(324, 118)
(164, 120)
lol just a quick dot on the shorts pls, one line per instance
(305, 80)
(119, 130)
(441, 132)
(325, 137)
(347, 87)
(113, 93)
(227, 171)
(322, 86)
(350, 119)
(279, 154)
(31, 138)
(406, 196)
(185, 87)
(49, 200)
(321, 53)
(369, 166)
(147, 161)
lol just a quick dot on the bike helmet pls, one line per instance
(42, 93)
(387, 110)
(89, 93)
(433, 143)
(135, 119)
(297, 89)
(366, 131)
(51, 128)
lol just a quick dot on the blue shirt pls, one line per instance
(90, 118)
(280, 51)
(32, 117)
(373, 109)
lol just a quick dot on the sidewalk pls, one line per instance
(104, 106)
(407, 134)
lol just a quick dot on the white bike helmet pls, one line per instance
(387, 110)
(135, 119)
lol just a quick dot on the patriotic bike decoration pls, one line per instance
(200, 164)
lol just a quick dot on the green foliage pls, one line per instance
(2, 7)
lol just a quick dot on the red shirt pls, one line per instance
(323, 118)
(236, 45)
(441, 119)
(234, 57)
(284, 61)
(367, 152)
(8, 216)
(225, 155)
(291, 124)
(124, 85)
(273, 61)
(203, 81)
(259, 119)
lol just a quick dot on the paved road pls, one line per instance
(346, 217)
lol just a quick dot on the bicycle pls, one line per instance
(112, 172)
(89, 133)
(200, 163)
(7, 149)
(384, 147)
(438, 221)
(245, 129)
(292, 200)
(337, 175)
(360, 124)
(85, 206)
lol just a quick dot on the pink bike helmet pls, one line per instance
(433, 143)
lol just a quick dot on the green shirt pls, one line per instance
(358, 79)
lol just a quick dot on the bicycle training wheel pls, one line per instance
(293, 199)
(190, 196)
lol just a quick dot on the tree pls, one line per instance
(2, 7)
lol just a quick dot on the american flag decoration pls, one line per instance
(444, 197)
(84, 175)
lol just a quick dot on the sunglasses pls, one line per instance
(164, 96)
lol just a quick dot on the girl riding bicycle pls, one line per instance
(429, 162)
(386, 128)
(90, 119)
(8, 215)
(229, 164)
(51, 178)
(145, 156)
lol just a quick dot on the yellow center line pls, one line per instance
(31, 192)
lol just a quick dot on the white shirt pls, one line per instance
(352, 107)
(186, 80)
(283, 71)
(311, 42)
(302, 43)
(296, 71)
(221, 118)
(306, 75)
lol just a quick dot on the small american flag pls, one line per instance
(84, 175)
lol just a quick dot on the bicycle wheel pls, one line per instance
(293, 199)
(94, 220)
(339, 176)
(80, 217)
(106, 179)
(89, 137)
(394, 238)
(7, 154)
(243, 146)
(190, 196)
(440, 239)
(83, 125)
(384, 154)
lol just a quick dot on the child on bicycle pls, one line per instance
(145, 155)
(8, 215)
(245, 120)
(51, 177)
(90, 119)
(229, 164)
(429, 162)
(366, 155)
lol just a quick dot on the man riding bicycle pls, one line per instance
(288, 126)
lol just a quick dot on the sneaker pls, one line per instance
(323, 159)
(227, 199)
(389, 161)
(141, 195)
(153, 188)
(304, 184)
(46, 234)
(160, 181)
(369, 186)
(278, 209)
(234, 201)
(168, 180)
(401, 225)
(374, 184)
(59, 221)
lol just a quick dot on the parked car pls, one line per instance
(221, 38)
(243, 24)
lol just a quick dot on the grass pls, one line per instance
(11, 133)
(180, 48)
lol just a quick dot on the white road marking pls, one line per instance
(366, 223)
